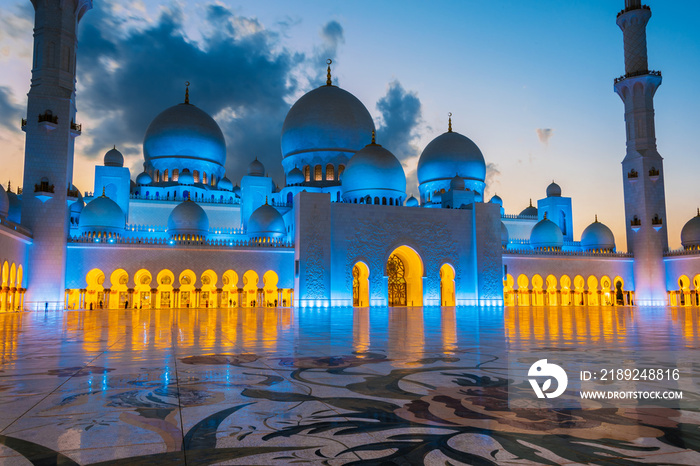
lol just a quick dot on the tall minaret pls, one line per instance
(642, 168)
(48, 158)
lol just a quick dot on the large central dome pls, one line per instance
(184, 136)
(325, 126)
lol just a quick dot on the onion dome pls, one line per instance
(374, 172)
(457, 183)
(412, 202)
(546, 235)
(237, 190)
(4, 203)
(144, 179)
(326, 125)
(185, 177)
(504, 235)
(553, 190)
(597, 237)
(496, 199)
(266, 222)
(295, 176)
(530, 211)
(188, 219)
(225, 184)
(690, 234)
(77, 206)
(256, 168)
(114, 158)
(183, 136)
(15, 211)
(102, 215)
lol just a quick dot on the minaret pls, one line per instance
(48, 159)
(642, 168)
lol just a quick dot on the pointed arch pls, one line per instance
(404, 269)
(187, 280)
(250, 289)
(360, 285)
(270, 297)
(447, 285)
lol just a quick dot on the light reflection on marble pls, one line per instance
(340, 386)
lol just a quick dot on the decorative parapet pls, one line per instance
(521, 217)
(638, 73)
(531, 252)
(693, 251)
(209, 243)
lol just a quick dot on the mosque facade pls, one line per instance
(340, 232)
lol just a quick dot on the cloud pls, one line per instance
(332, 36)
(493, 175)
(544, 135)
(401, 117)
(237, 70)
(10, 113)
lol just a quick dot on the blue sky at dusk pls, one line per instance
(504, 69)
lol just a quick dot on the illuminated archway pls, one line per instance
(13, 274)
(579, 292)
(619, 291)
(4, 295)
(537, 292)
(696, 290)
(360, 285)
(551, 282)
(208, 296)
(593, 291)
(447, 285)
(606, 293)
(165, 280)
(565, 283)
(119, 297)
(683, 287)
(187, 280)
(404, 269)
(94, 299)
(250, 289)
(229, 293)
(523, 291)
(142, 290)
(270, 296)
(508, 290)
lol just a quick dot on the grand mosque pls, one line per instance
(341, 231)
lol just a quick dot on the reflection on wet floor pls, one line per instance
(344, 386)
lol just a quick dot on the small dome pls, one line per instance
(256, 168)
(185, 177)
(504, 235)
(597, 237)
(4, 203)
(102, 215)
(546, 234)
(295, 176)
(266, 222)
(188, 218)
(144, 179)
(237, 190)
(225, 184)
(374, 171)
(496, 200)
(553, 190)
(690, 234)
(449, 154)
(114, 158)
(457, 183)
(77, 206)
(412, 202)
(15, 212)
(530, 211)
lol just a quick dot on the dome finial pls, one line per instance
(596, 218)
(265, 200)
(545, 215)
(187, 92)
(530, 202)
(329, 82)
(449, 122)
(103, 192)
(8, 188)
(374, 137)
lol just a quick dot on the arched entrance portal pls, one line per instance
(447, 285)
(360, 285)
(404, 270)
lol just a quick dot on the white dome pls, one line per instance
(114, 158)
(496, 199)
(597, 237)
(256, 168)
(690, 234)
(188, 218)
(237, 190)
(102, 215)
(546, 234)
(448, 155)
(144, 179)
(185, 177)
(457, 183)
(412, 202)
(225, 184)
(530, 211)
(77, 206)
(326, 122)
(266, 222)
(375, 172)
(295, 177)
(4, 203)
(553, 190)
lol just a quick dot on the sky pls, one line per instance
(531, 83)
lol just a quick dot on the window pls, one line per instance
(195, 174)
(330, 172)
(204, 177)
(165, 175)
(307, 173)
(176, 174)
(318, 173)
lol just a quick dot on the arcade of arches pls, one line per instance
(687, 294)
(550, 291)
(165, 290)
(11, 291)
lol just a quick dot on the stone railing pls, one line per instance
(531, 252)
(215, 243)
